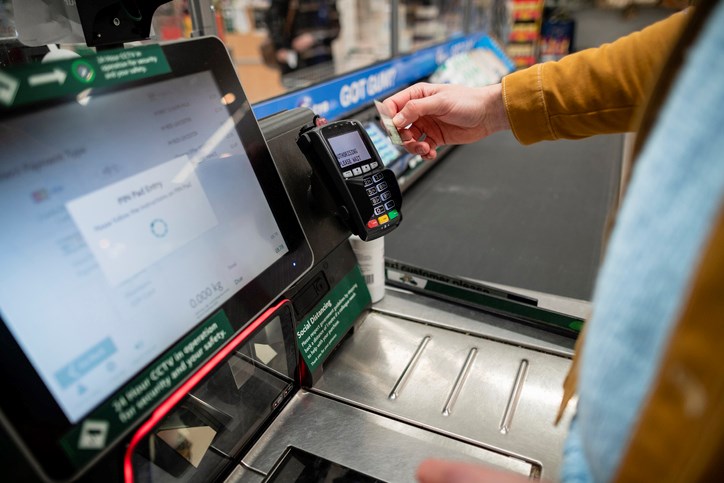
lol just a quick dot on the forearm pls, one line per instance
(595, 91)
(495, 115)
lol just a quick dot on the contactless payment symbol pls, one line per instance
(93, 435)
(83, 71)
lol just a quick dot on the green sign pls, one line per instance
(136, 398)
(37, 82)
(327, 323)
(464, 291)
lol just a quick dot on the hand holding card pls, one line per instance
(432, 115)
(389, 126)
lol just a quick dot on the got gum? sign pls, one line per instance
(362, 89)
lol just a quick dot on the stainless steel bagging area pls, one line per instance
(422, 378)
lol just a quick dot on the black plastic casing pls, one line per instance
(350, 195)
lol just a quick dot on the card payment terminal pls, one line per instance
(367, 195)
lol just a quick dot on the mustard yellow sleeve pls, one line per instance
(594, 91)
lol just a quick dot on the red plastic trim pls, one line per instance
(165, 407)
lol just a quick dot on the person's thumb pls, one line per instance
(415, 109)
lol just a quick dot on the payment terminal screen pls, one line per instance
(128, 218)
(349, 149)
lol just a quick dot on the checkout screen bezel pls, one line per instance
(36, 419)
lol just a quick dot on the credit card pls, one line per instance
(386, 119)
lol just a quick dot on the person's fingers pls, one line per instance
(432, 154)
(427, 150)
(415, 147)
(282, 55)
(432, 471)
(413, 133)
(406, 136)
(397, 101)
(303, 42)
(415, 109)
(390, 105)
(438, 471)
(416, 141)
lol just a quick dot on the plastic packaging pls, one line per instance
(371, 259)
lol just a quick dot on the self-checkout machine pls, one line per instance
(202, 316)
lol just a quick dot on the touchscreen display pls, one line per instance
(349, 149)
(128, 218)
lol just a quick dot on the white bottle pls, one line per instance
(371, 259)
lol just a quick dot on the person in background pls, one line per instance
(648, 368)
(302, 32)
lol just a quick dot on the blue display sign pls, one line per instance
(339, 96)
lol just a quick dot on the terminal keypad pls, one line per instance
(377, 190)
